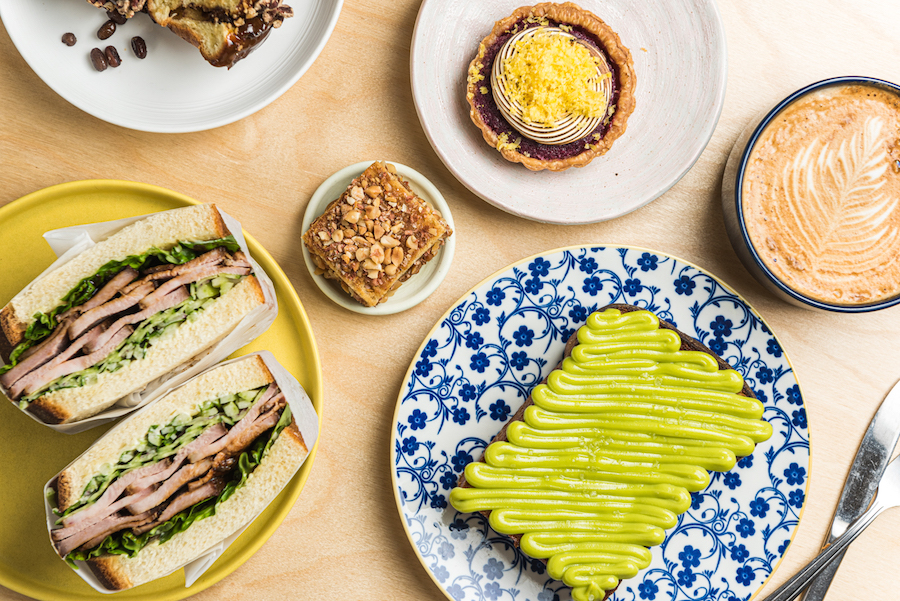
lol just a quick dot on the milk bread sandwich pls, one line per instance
(174, 479)
(133, 308)
(603, 456)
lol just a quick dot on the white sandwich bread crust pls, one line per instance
(163, 230)
(119, 572)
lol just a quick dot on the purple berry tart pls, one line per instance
(551, 87)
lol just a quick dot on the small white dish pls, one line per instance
(419, 286)
(173, 89)
(680, 62)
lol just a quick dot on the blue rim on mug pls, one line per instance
(738, 193)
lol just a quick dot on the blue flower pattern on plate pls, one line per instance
(503, 338)
(500, 411)
(647, 262)
(473, 341)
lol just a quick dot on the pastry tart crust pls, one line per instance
(566, 13)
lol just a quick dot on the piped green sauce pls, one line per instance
(606, 458)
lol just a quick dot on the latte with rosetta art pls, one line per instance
(821, 195)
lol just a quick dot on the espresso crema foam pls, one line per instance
(821, 195)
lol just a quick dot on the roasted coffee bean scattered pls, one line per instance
(139, 46)
(112, 56)
(106, 30)
(98, 59)
(69, 39)
(118, 17)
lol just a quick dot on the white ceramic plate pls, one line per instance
(479, 363)
(680, 61)
(419, 286)
(173, 89)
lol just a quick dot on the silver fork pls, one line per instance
(888, 496)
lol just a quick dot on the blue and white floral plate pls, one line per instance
(477, 367)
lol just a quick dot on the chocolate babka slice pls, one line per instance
(225, 31)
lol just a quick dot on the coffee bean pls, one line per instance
(98, 59)
(112, 56)
(69, 39)
(106, 30)
(139, 46)
(116, 16)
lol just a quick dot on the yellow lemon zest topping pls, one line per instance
(475, 69)
(550, 77)
(503, 142)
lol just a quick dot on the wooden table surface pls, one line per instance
(343, 539)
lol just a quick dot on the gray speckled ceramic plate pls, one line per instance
(680, 61)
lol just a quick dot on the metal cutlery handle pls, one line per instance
(822, 580)
(871, 460)
(793, 587)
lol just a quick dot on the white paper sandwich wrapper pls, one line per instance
(69, 242)
(303, 414)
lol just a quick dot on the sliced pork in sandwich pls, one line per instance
(177, 477)
(123, 313)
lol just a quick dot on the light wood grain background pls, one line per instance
(343, 539)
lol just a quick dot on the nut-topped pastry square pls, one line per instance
(377, 235)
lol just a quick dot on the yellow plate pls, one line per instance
(31, 453)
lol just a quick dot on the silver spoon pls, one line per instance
(888, 496)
